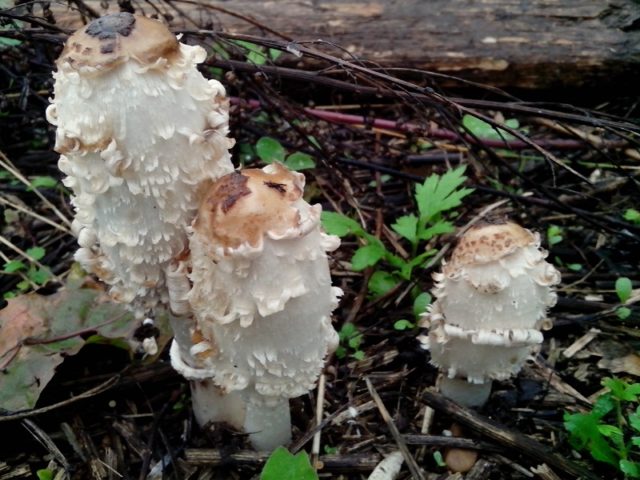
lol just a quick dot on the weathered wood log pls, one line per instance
(516, 43)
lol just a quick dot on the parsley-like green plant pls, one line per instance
(435, 199)
(610, 432)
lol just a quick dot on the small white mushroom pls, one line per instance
(262, 301)
(139, 130)
(491, 302)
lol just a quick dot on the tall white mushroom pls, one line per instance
(262, 301)
(491, 302)
(140, 131)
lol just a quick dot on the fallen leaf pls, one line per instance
(38, 332)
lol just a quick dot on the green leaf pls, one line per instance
(270, 150)
(554, 234)
(382, 282)
(484, 130)
(407, 227)
(220, 51)
(347, 331)
(367, 256)
(574, 267)
(436, 229)
(623, 313)
(359, 355)
(634, 419)
(255, 53)
(355, 341)
(37, 253)
(299, 161)
(612, 432)
(439, 193)
(403, 325)
(623, 289)
(42, 182)
(437, 457)
(14, 266)
(44, 474)
(338, 224)
(283, 465)
(9, 42)
(629, 468)
(341, 352)
(39, 276)
(585, 435)
(257, 58)
(274, 54)
(420, 304)
(632, 215)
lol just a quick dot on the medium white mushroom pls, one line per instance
(139, 130)
(491, 302)
(262, 299)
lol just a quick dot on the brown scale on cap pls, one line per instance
(243, 206)
(486, 243)
(113, 39)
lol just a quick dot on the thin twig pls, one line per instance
(402, 446)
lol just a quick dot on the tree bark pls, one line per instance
(514, 43)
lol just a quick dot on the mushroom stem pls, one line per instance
(268, 422)
(212, 405)
(467, 394)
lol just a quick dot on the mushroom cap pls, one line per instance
(243, 207)
(489, 242)
(262, 295)
(491, 302)
(140, 130)
(114, 39)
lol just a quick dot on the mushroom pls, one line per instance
(491, 302)
(262, 299)
(139, 131)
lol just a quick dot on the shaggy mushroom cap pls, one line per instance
(262, 295)
(261, 298)
(140, 131)
(491, 302)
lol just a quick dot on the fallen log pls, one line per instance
(507, 43)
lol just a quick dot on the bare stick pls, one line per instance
(402, 446)
(506, 436)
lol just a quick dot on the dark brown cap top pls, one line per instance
(116, 38)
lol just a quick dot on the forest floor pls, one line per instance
(568, 171)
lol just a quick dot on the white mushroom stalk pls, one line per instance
(139, 130)
(262, 299)
(491, 302)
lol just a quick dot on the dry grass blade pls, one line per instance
(402, 445)
(6, 164)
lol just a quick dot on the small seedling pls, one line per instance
(350, 340)
(632, 215)
(623, 290)
(420, 304)
(610, 432)
(271, 150)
